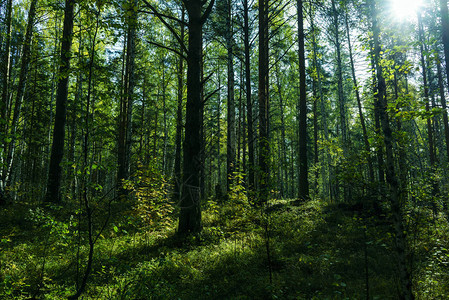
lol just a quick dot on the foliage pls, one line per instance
(153, 203)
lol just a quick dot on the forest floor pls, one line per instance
(315, 250)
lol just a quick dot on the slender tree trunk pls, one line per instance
(359, 104)
(23, 76)
(249, 103)
(395, 192)
(5, 67)
(443, 105)
(230, 164)
(327, 182)
(283, 161)
(57, 151)
(264, 144)
(126, 106)
(303, 192)
(426, 93)
(179, 123)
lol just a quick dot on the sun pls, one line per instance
(405, 9)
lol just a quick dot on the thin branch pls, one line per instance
(207, 78)
(168, 48)
(169, 27)
(164, 16)
(210, 95)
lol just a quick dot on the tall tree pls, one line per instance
(392, 180)
(53, 193)
(179, 123)
(5, 67)
(231, 141)
(190, 215)
(249, 101)
(264, 144)
(359, 102)
(126, 101)
(303, 192)
(24, 66)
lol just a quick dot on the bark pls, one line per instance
(57, 151)
(303, 192)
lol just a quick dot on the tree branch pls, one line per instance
(169, 27)
(168, 48)
(164, 16)
(207, 12)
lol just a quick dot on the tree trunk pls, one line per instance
(327, 182)
(126, 105)
(443, 105)
(178, 138)
(249, 103)
(190, 214)
(283, 161)
(9, 148)
(395, 192)
(57, 150)
(230, 154)
(303, 192)
(6, 61)
(359, 105)
(264, 144)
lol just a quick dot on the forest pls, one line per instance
(224, 149)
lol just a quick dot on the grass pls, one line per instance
(317, 251)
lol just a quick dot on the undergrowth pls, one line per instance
(317, 251)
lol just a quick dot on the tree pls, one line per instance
(263, 91)
(126, 101)
(190, 215)
(53, 193)
(303, 192)
(392, 180)
(249, 101)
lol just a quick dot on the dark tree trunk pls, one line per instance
(179, 123)
(394, 187)
(231, 101)
(53, 193)
(264, 144)
(5, 66)
(303, 192)
(190, 214)
(249, 103)
(126, 105)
